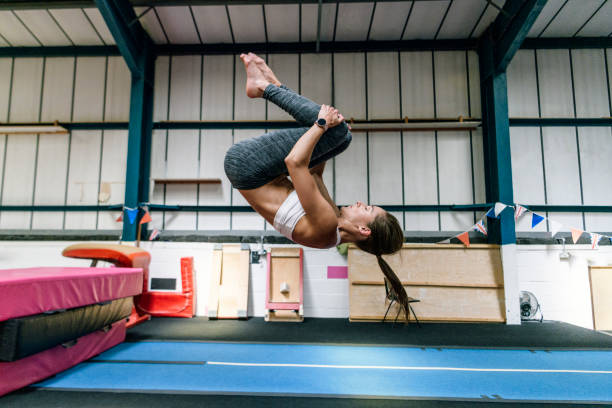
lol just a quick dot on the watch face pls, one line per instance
(321, 122)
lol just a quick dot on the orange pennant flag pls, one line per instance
(146, 218)
(465, 238)
(119, 218)
(576, 233)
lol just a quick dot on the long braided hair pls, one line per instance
(386, 237)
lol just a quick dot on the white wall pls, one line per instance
(561, 286)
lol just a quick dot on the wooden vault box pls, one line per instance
(453, 283)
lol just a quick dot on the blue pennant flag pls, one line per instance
(491, 213)
(536, 219)
(132, 213)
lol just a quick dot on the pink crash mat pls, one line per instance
(30, 291)
(28, 370)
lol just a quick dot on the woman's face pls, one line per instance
(361, 214)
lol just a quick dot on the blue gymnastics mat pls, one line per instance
(345, 371)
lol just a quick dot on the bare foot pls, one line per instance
(268, 74)
(256, 82)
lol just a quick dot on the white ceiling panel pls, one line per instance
(43, 27)
(461, 18)
(548, 12)
(487, 18)
(75, 24)
(14, 32)
(389, 20)
(571, 18)
(283, 22)
(178, 24)
(98, 21)
(353, 21)
(151, 25)
(247, 23)
(213, 24)
(425, 19)
(310, 15)
(601, 23)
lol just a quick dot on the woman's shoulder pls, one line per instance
(315, 233)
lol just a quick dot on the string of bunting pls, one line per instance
(521, 211)
(132, 214)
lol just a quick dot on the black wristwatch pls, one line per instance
(322, 123)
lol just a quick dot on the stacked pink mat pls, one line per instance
(35, 292)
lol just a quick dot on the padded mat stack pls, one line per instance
(53, 318)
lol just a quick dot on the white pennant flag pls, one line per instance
(554, 227)
(446, 241)
(499, 207)
(520, 210)
(595, 238)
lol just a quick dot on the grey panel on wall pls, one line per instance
(178, 24)
(26, 89)
(57, 90)
(18, 182)
(595, 154)
(185, 88)
(571, 17)
(218, 87)
(112, 175)
(351, 172)
(527, 171)
(51, 179)
(15, 32)
(316, 77)
(382, 83)
(474, 88)
(41, 24)
(76, 25)
(353, 21)
(214, 145)
(389, 20)
(461, 18)
(6, 69)
(89, 89)
(213, 24)
(478, 164)
(247, 23)
(560, 159)
(555, 83)
(417, 85)
(349, 84)
(83, 177)
(310, 16)
(590, 83)
(282, 22)
(522, 85)
(425, 19)
(118, 87)
(451, 84)
(385, 161)
(601, 23)
(161, 88)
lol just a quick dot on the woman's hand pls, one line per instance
(331, 115)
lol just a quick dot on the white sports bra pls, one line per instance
(288, 215)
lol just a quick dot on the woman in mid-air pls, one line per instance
(301, 208)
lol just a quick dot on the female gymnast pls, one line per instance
(301, 208)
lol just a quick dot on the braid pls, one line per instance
(398, 293)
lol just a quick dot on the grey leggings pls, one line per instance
(255, 162)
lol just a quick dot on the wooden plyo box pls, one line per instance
(284, 285)
(452, 283)
(601, 296)
(229, 282)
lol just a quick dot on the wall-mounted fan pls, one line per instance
(530, 307)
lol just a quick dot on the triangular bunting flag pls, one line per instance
(520, 210)
(536, 219)
(595, 238)
(554, 227)
(154, 234)
(146, 218)
(491, 213)
(576, 233)
(499, 207)
(446, 241)
(465, 238)
(132, 213)
(119, 218)
(480, 227)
